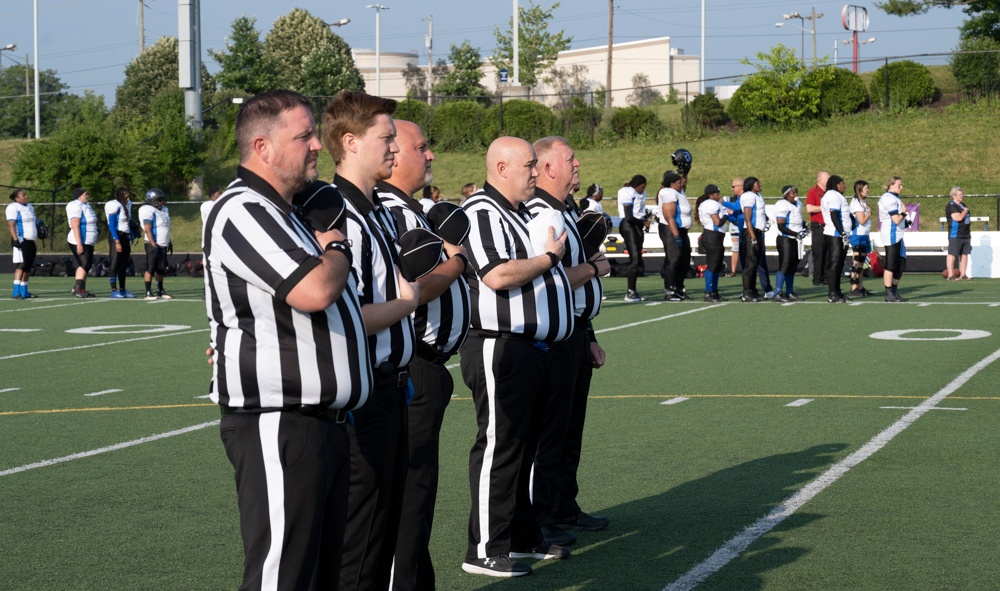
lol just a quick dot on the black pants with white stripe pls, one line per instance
(375, 496)
(550, 470)
(432, 389)
(291, 485)
(508, 377)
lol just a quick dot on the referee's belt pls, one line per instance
(387, 375)
(430, 354)
(307, 410)
(496, 334)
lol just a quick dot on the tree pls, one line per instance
(568, 84)
(781, 91)
(466, 72)
(17, 108)
(301, 46)
(910, 7)
(245, 64)
(976, 71)
(642, 94)
(416, 81)
(152, 71)
(537, 48)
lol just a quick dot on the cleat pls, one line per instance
(793, 297)
(835, 299)
(127, 294)
(780, 298)
(164, 295)
(672, 296)
(117, 295)
(633, 296)
(497, 566)
(150, 296)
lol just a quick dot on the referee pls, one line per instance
(442, 323)
(521, 305)
(554, 484)
(359, 133)
(290, 357)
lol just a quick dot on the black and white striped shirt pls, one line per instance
(543, 307)
(442, 323)
(587, 297)
(372, 234)
(267, 354)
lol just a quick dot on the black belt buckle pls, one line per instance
(390, 376)
(322, 412)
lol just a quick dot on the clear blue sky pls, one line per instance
(89, 42)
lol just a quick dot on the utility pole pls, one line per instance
(429, 44)
(611, 40)
(27, 93)
(142, 30)
(812, 22)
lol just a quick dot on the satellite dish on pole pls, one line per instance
(854, 18)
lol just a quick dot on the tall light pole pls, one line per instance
(701, 90)
(811, 30)
(38, 100)
(429, 44)
(517, 61)
(339, 23)
(857, 51)
(378, 51)
(8, 47)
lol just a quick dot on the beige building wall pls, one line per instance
(662, 63)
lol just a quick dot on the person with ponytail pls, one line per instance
(791, 229)
(861, 215)
(713, 218)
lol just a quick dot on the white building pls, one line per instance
(663, 64)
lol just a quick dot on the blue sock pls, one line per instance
(715, 283)
(17, 289)
(779, 281)
(709, 277)
(24, 289)
(789, 281)
(114, 283)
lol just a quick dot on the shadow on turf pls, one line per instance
(652, 542)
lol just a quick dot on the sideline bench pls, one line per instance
(974, 219)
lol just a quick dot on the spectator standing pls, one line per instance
(442, 324)
(521, 305)
(82, 237)
(815, 210)
(675, 221)
(554, 482)
(712, 216)
(467, 190)
(861, 244)
(155, 219)
(791, 229)
(358, 132)
(892, 223)
(23, 228)
(119, 214)
(290, 356)
(632, 225)
(959, 220)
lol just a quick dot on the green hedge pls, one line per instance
(417, 111)
(457, 126)
(909, 85)
(708, 110)
(520, 118)
(977, 73)
(635, 123)
(842, 93)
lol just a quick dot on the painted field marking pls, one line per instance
(903, 335)
(92, 345)
(33, 308)
(203, 396)
(677, 400)
(730, 550)
(55, 411)
(633, 324)
(115, 447)
(128, 329)
(20, 330)
(912, 407)
(800, 402)
(102, 392)
(5, 390)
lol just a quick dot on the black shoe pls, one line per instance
(781, 298)
(751, 297)
(633, 296)
(497, 566)
(844, 297)
(584, 522)
(553, 534)
(717, 297)
(672, 296)
(895, 298)
(543, 551)
(834, 298)
(866, 292)
(819, 282)
(792, 296)
(858, 293)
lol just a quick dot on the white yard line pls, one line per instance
(117, 446)
(737, 545)
(677, 400)
(5, 390)
(800, 402)
(92, 345)
(102, 392)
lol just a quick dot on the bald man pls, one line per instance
(522, 303)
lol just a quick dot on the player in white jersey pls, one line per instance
(119, 214)
(861, 214)
(632, 226)
(155, 218)
(712, 216)
(82, 237)
(836, 231)
(22, 225)
(752, 204)
(892, 222)
(675, 221)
